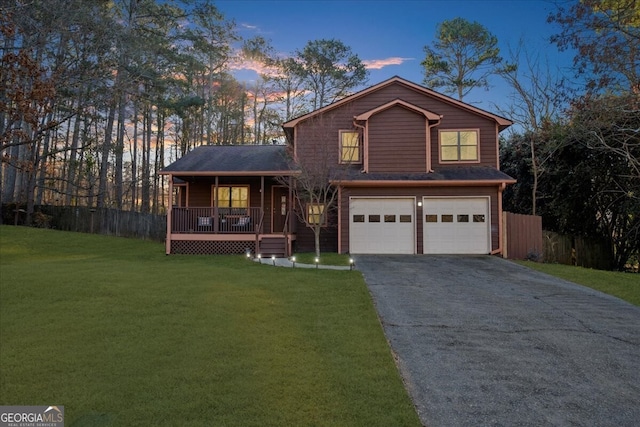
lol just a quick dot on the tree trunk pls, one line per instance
(42, 162)
(119, 151)
(316, 235)
(104, 165)
(534, 171)
(146, 153)
(72, 166)
(134, 160)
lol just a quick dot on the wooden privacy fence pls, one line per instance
(576, 250)
(522, 237)
(102, 221)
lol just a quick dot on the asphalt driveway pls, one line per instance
(481, 341)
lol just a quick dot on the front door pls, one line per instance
(279, 208)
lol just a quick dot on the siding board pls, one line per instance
(318, 137)
(397, 141)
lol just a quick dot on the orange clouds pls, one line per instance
(378, 64)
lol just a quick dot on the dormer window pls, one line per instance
(459, 146)
(349, 147)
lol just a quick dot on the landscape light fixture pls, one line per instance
(273, 258)
(317, 261)
(247, 252)
(352, 263)
(293, 260)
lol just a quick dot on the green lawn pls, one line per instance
(122, 335)
(326, 258)
(625, 286)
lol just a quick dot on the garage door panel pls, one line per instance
(456, 226)
(381, 226)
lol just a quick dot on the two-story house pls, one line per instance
(419, 175)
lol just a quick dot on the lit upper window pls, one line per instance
(349, 147)
(459, 146)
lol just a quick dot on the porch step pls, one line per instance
(270, 246)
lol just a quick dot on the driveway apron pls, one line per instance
(481, 341)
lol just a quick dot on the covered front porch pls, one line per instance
(223, 202)
(201, 230)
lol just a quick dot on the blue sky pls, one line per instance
(391, 34)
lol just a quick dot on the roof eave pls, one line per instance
(229, 173)
(502, 122)
(426, 183)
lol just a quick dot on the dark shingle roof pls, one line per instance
(254, 159)
(232, 159)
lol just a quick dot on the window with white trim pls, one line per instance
(459, 146)
(349, 147)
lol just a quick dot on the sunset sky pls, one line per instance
(389, 36)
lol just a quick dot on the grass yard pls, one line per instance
(122, 335)
(326, 258)
(625, 286)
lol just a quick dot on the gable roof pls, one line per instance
(501, 121)
(232, 160)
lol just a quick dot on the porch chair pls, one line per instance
(243, 222)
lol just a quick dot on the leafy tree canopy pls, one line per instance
(591, 185)
(606, 37)
(462, 58)
(330, 70)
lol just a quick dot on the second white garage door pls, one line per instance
(456, 225)
(382, 225)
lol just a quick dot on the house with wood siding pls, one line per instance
(419, 174)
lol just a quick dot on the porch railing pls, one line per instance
(215, 220)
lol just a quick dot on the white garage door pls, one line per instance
(456, 226)
(382, 226)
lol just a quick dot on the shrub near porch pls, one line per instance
(120, 334)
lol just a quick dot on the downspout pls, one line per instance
(500, 220)
(365, 163)
(429, 127)
(167, 240)
(498, 146)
